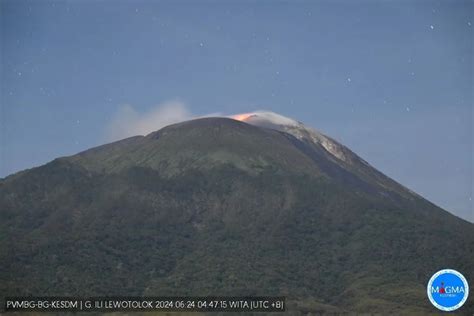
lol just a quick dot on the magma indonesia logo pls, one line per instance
(447, 290)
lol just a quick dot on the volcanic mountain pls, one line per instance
(255, 205)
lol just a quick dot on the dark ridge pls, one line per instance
(119, 143)
(207, 122)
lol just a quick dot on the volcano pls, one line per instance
(258, 204)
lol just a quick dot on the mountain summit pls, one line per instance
(255, 205)
(299, 130)
(333, 150)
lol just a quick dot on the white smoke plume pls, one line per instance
(128, 122)
(268, 116)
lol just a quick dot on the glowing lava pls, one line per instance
(241, 117)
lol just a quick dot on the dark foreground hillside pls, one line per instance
(219, 207)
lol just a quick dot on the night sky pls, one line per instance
(392, 80)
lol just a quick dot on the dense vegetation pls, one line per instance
(223, 226)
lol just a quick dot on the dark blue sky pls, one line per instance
(392, 80)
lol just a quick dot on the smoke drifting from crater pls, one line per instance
(127, 121)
